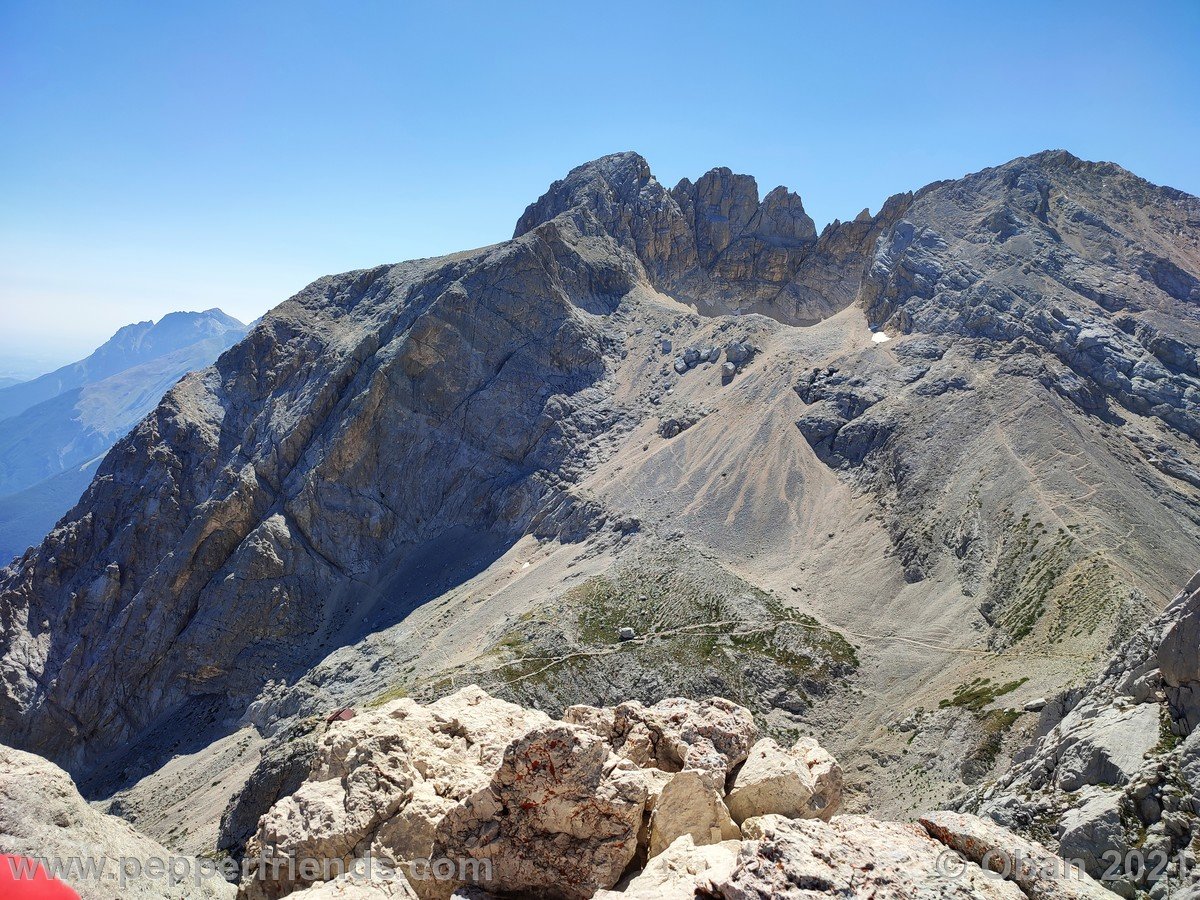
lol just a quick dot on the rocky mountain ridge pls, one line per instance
(407, 477)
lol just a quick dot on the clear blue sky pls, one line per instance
(185, 155)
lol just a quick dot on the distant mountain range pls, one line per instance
(55, 428)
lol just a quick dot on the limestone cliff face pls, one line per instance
(1084, 261)
(231, 531)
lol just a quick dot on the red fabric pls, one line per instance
(19, 880)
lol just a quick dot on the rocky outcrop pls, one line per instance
(43, 818)
(1038, 873)
(710, 736)
(479, 798)
(713, 242)
(219, 535)
(690, 805)
(1037, 280)
(852, 856)
(559, 818)
(381, 783)
(1113, 781)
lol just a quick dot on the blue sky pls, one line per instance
(180, 156)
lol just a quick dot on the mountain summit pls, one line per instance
(662, 442)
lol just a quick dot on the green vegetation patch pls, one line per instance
(980, 693)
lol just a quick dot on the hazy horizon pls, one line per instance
(181, 159)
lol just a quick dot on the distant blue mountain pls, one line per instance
(132, 345)
(54, 429)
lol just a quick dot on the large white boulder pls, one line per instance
(711, 736)
(690, 805)
(804, 782)
(381, 783)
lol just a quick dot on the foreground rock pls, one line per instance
(560, 817)
(853, 856)
(679, 870)
(804, 782)
(690, 805)
(1040, 874)
(42, 816)
(475, 797)
(382, 781)
(712, 736)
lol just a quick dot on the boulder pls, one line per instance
(690, 805)
(43, 816)
(801, 783)
(677, 872)
(1037, 871)
(852, 856)
(382, 781)
(712, 736)
(559, 818)
(738, 352)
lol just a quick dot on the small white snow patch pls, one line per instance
(880, 338)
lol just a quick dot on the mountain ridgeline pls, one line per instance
(58, 426)
(952, 441)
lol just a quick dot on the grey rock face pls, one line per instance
(714, 242)
(1053, 218)
(216, 535)
(1107, 778)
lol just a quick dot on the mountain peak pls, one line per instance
(708, 241)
